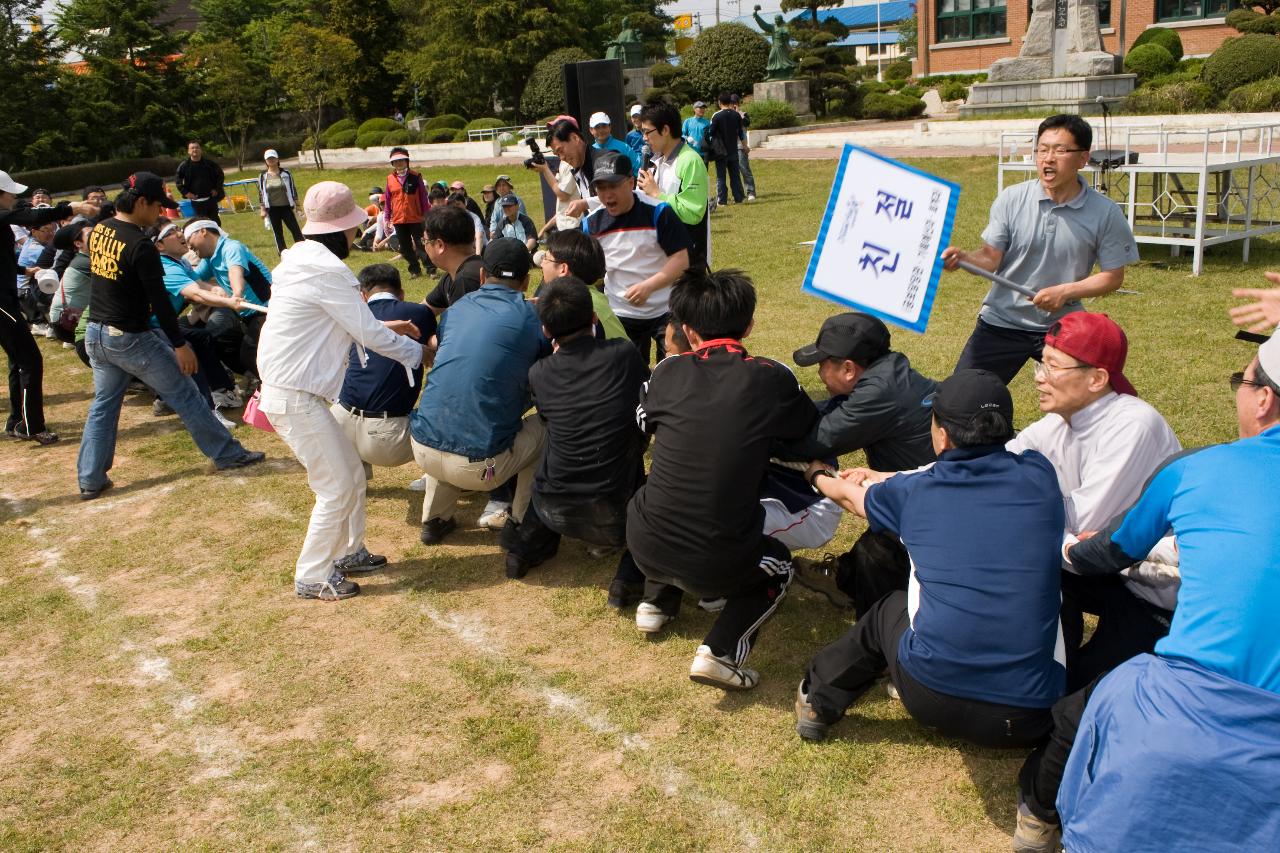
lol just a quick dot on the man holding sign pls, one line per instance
(1045, 235)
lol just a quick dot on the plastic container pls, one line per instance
(187, 207)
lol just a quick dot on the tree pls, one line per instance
(830, 86)
(544, 94)
(811, 5)
(372, 26)
(726, 57)
(234, 87)
(908, 34)
(313, 68)
(28, 72)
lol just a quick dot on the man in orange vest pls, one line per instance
(405, 204)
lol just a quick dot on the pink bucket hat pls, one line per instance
(330, 207)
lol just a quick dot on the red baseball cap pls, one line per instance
(1094, 339)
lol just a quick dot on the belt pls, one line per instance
(361, 413)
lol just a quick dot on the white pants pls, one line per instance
(811, 527)
(378, 441)
(334, 472)
(449, 474)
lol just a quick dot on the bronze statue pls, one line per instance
(780, 65)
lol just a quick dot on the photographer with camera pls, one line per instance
(572, 183)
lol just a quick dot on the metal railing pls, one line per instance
(518, 132)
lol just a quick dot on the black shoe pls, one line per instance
(624, 593)
(518, 567)
(244, 460)
(359, 563)
(90, 494)
(435, 529)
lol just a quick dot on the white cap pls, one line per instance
(636, 109)
(1269, 357)
(9, 185)
(598, 119)
(47, 281)
(200, 225)
(269, 153)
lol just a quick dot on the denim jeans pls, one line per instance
(730, 165)
(148, 356)
(744, 166)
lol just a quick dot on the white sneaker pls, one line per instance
(66, 345)
(230, 425)
(711, 605)
(50, 334)
(227, 399)
(751, 198)
(495, 515)
(718, 672)
(892, 690)
(418, 485)
(649, 619)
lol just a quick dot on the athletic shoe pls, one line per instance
(1034, 835)
(418, 485)
(495, 515)
(711, 605)
(40, 329)
(623, 593)
(820, 576)
(435, 529)
(66, 345)
(892, 690)
(244, 460)
(160, 408)
(649, 619)
(43, 439)
(230, 425)
(720, 672)
(597, 552)
(335, 588)
(91, 494)
(809, 725)
(751, 198)
(359, 563)
(227, 398)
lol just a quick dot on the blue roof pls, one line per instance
(861, 39)
(856, 17)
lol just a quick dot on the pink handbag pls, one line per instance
(255, 417)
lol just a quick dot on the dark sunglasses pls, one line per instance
(1237, 379)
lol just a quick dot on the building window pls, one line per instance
(1104, 13)
(1186, 10)
(970, 19)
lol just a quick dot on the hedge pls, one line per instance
(110, 174)
(485, 124)
(439, 134)
(911, 91)
(727, 57)
(1242, 60)
(399, 137)
(379, 125)
(371, 139)
(450, 120)
(879, 105)
(953, 90)
(766, 115)
(939, 79)
(899, 69)
(338, 127)
(1166, 38)
(1257, 97)
(341, 139)
(1148, 60)
(460, 135)
(1249, 21)
(1188, 97)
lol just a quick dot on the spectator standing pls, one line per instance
(725, 135)
(602, 131)
(679, 177)
(201, 180)
(744, 150)
(279, 198)
(405, 205)
(635, 136)
(694, 129)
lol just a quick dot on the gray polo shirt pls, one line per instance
(1045, 243)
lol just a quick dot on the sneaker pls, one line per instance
(809, 725)
(820, 576)
(751, 197)
(244, 460)
(91, 494)
(649, 619)
(1034, 835)
(160, 408)
(43, 438)
(418, 485)
(892, 690)
(66, 345)
(359, 563)
(335, 588)
(230, 425)
(623, 593)
(599, 552)
(711, 605)
(435, 529)
(227, 398)
(720, 672)
(50, 333)
(40, 329)
(495, 515)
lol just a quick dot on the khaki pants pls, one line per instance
(379, 441)
(449, 475)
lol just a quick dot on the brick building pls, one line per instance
(966, 36)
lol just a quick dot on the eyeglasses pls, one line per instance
(645, 131)
(542, 256)
(1044, 152)
(1237, 379)
(1043, 369)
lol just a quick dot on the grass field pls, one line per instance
(162, 688)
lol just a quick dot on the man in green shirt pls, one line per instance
(678, 177)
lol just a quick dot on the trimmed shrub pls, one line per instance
(379, 125)
(341, 139)
(1148, 60)
(1236, 17)
(766, 115)
(953, 90)
(1188, 97)
(485, 124)
(875, 87)
(884, 106)
(939, 79)
(439, 134)
(1256, 97)
(109, 174)
(1166, 38)
(544, 93)
(372, 139)
(1249, 21)
(663, 73)
(460, 135)
(726, 57)
(450, 120)
(1173, 77)
(398, 137)
(899, 69)
(911, 91)
(1242, 60)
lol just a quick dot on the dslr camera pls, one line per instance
(538, 159)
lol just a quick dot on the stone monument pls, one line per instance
(780, 83)
(628, 48)
(1061, 68)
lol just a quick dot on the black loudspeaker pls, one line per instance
(596, 86)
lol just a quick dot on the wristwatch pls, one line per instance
(821, 472)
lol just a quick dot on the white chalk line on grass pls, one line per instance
(672, 781)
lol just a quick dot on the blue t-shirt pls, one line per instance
(613, 143)
(27, 257)
(983, 528)
(178, 275)
(478, 389)
(381, 384)
(635, 139)
(694, 130)
(232, 253)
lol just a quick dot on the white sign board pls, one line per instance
(879, 248)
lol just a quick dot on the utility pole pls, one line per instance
(717, 11)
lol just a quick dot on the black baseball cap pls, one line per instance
(611, 167)
(506, 258)
(149, 186)
(853, 335)
(966, 393)
(65, 237)
(508, 199)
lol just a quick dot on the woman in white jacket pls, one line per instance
(316, 315)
